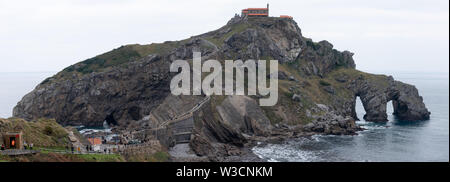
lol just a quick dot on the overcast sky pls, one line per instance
(385, 35)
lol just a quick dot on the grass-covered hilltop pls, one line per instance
(129, 88)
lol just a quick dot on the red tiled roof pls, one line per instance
(257, 14)
(255, 9)
(95, 141)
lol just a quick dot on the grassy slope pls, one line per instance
(235, 28)
(160, 156)
(116, 57)
(43, 132)
(55, 157)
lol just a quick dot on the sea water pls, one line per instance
(14, 85)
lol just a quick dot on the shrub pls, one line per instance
(46, 80)
(324, 83)
(48, 130)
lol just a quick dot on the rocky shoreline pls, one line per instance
(328, 124)
(128, 88)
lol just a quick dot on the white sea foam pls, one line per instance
(90, 131)
(284, 152)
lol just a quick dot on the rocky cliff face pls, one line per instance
(244, 114)
(320, 58)
(129, 87)
(408, 105)
(262, 38)
(118, 95)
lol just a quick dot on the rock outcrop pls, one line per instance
(129, 88)
(244, 114)
(320, 58)
(268, 38)
(375, 94)
(331, 124)
(212, 136)
(119, 95)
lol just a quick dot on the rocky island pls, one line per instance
(128, 88)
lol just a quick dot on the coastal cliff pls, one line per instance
(129, 88)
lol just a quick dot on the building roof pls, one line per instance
(95, 141)
(255, 9)
(12, 133)
(257, 14)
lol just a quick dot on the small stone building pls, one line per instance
(95, 141)
(255, 12)
(12, 140)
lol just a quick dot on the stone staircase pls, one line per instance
(181, 125)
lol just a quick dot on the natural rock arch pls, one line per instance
(355, 110)
(407, 103)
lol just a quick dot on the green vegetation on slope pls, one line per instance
(98, 157)
(56, 157)
(159, 156)
(133, 52)
(116, 57)
(235, 28)
(43, 132)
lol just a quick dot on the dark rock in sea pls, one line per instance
(332, 124)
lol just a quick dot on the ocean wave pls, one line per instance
(90, 131)
(287, 152)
